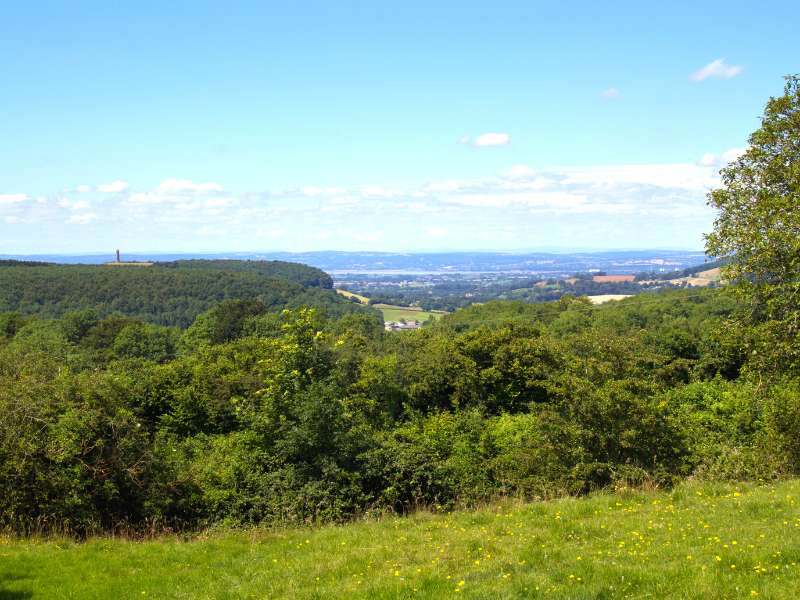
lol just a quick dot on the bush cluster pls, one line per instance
(257, 416)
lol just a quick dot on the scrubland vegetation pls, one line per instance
(250, 416)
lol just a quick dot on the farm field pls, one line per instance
(353, 296)
(603, 298)
(701, 279)
(698, 541)
(395, 313)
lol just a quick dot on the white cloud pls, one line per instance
(542, 200)
(717, 69)
(464, 140)
(519, 172)
(714, 160)
(112, 188)
(708, 160)
(492, 139)
(610, 93)
(371, 237)
(534, 202)
(380, 192)
(307, 191)
(177, 186)
(732, 154)
(212, 231)
(269, 232)
(82, 189)
(82, 219)
(219, 202)
(449, 185)
(145, 198)
(668, 176)
(12, 198)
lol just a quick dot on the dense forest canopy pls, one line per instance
(252, 415)
(278, 269)
(165, 293)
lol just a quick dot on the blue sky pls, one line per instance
(376, 125)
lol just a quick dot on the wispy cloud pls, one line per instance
(716, 69)
(486, 140)
(709, 159)
(610, 93)
(732, 154)
(177, 186)
(114, 187)
(519, 172)
(82, 219)
(520, 202)
(492, 139)
(12, 198)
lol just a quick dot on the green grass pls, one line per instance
(353, 295)
(395, 313)
(699, 541)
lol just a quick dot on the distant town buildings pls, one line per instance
(613, 278)
(401, 325)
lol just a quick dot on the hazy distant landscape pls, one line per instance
(341, 263)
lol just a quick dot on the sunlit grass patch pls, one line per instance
(698, 541)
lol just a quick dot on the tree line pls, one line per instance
(166, 293)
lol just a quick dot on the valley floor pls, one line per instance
(697, 541)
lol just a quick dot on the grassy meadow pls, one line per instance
(353, 296)
(698, 541)
(395, 313)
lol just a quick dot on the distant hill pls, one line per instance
(615, 262)
(696, 270)
(24, 263)
(168, 294)
(279, 269)
(700, 275)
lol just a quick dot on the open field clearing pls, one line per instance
(699, 541)
(352, 296)
(701, 279)
(603, 298)
(392, 313)
(395, 313)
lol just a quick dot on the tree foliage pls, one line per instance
(165, 293)
(111, 423)
(758, 223)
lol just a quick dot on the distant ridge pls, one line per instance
(622, 262)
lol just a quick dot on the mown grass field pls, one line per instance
(699, 541)
(353, 296)
(395, 313)
(392, 312)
